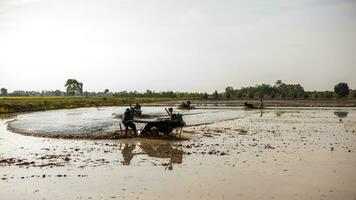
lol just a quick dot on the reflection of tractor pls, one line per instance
(164, 125)
(341, 114)
(163, 151)
(175, 155)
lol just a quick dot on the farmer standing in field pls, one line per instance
(127, 120)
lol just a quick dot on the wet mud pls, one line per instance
(273, 154)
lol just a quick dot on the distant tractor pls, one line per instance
(252, 106)
(186, 105)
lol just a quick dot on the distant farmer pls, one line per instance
(186, 105)
(138, 111)
(137, 106)
(261, 104)
(127, 120)
(189, 104)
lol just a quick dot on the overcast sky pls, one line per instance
(182, 45)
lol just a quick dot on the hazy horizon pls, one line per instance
(176, 45)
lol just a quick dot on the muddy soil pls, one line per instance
(274, 154)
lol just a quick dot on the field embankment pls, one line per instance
(28, 104)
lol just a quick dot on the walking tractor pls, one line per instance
(162, 126)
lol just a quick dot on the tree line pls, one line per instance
(287, 91)
(278, 90)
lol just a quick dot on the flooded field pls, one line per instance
(285, 153)
(101, 122)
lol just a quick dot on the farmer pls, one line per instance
(127, 120)
(261, 104)
(189, 105)
(137, 106)
(138, 111)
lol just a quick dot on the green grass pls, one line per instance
(29, 104)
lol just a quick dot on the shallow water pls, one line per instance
(89, 122)
(276, 154)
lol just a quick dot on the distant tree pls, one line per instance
(249, 95)
(328, 94)
(216, 95)
(3, 92)
(283, 95)
(239, 94)
(205, 96)
(353, 93)
(287, 90)
(106, 91)
(278, 83)
(57, 93)
(342, 89)
(149, 93)
(295, 95)
(74, 87)
(315, 95)
(229, 91)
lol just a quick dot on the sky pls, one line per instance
(181, 45)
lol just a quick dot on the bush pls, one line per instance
(342, 89)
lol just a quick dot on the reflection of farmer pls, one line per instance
(127, 120)
(127, 153)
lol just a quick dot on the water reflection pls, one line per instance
(279, 113)
(127, 153)
(153, 150)
(341, 114)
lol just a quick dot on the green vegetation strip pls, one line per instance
(29, 104)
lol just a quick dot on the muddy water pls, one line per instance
(97, 122)
(276, 154)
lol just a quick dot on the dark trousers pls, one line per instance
(131, 125)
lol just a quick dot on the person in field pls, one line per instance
(127, 120)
